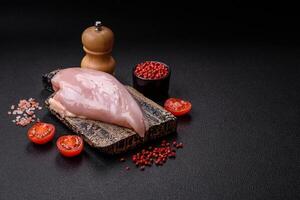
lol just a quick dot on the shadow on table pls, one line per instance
(67, 163)
(44, 94)
(97, 159)
(184, 120)
(36, 149)
(101, 160)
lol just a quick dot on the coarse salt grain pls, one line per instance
(24, 111)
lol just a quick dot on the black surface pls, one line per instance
(240, 71)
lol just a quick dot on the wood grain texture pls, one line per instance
(113, 139)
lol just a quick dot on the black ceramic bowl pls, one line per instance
(152, 88)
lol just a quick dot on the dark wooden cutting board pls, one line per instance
(113, 139)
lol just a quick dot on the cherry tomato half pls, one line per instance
(70, 145)
(177, 107)
(41, 133)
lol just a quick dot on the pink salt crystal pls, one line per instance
(24, 111)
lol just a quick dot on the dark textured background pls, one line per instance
(237, 63)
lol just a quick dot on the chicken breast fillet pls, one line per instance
(95, 95)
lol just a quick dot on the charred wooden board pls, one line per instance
(113, 139)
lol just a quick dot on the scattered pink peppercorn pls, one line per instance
(157, 155)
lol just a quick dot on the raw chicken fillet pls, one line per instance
(95, 95)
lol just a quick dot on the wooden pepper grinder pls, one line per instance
(97, 42)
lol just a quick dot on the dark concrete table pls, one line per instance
(241, 138)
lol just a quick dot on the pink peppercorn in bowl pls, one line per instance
(152, 78)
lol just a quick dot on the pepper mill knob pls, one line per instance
(98, 42)
(98, 25)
